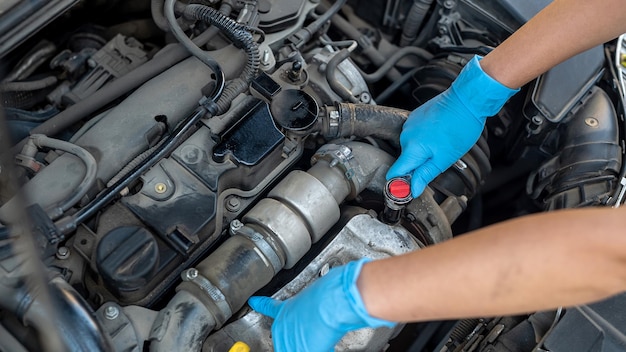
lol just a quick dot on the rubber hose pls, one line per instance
(414, 21)
(363, 120)
(333, 82)
(90, 174)
(158, 14)
(28, 85)
(393, 60)
(43, 51)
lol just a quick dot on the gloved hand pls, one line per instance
(446, 127)
(317, 318)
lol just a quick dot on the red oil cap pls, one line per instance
(399, 190)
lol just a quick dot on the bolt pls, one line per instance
(63, 253)
(191, 274)
(365, 98)
(449, 4)
(160, 188)
(111, 312)
(265, 59)
(235, 226)
(233, 204)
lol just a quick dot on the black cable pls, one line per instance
(182, 131)
(384, 95)
(195, 50)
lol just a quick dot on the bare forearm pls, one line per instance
(563, 29)
(528, 264)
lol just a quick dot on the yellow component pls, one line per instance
(239, 347)
(622, 60)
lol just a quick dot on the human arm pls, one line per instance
(440, 131)
(532, 263)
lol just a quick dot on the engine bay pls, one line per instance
(167, 160)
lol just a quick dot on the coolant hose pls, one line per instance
(414, 21)
(88, 181)
(363, 120)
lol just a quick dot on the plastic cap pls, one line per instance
(399, 188)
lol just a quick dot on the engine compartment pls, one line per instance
(173, 159)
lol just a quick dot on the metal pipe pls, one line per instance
(273, 235)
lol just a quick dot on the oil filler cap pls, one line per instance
(398, 190)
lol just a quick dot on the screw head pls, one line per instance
(235, 226)
(191, 274)
(111, 312)
(233, 204)
(63, 253)
(160, 188)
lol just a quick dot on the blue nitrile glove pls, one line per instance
(446, 127)
(317, 318)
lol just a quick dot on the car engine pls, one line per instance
(163, 161)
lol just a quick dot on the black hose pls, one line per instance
(182, 131)
(305, 34)
(90, 174)
(132, 164)
(42, 52)
(414, 21)
(333, 82)
(240, 35)
(195, 50)
(391, 62)
(28, 85)
(363, 120)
